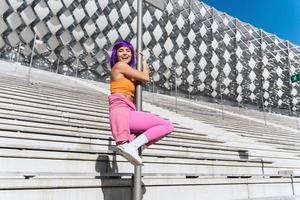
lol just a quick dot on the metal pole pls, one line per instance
(152, 91)
(263, 107)
(261, 76)
(297, 120)
(137, 187)
(57, 66)
(19, 49)
(290, 84)
(77, 67)
(221, 95)
(31, 59)
(10, 56)
(149, 86)
(175, 92)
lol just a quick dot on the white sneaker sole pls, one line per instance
(128, 156)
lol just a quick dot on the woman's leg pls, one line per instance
(151, 126)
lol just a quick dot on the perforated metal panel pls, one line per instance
(210, 52)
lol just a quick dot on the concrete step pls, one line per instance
(58, 113)
(152, 164)
(171, 143)
(74, 89)
(93, 147)
(264, 130)
(48, 100)
(81, 121)
(91, 97)
(64, 108)
(40, 93)
(164, 144)
(111, 159)
(55, 120)
(153, 188)
(46, 126)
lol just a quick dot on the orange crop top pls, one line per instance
(123, 85)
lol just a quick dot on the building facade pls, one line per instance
(190, 44)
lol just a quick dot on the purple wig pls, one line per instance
(117, 45)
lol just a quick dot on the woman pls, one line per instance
(131, 129)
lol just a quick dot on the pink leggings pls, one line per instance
(152, 126)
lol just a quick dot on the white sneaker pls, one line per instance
(129, 152)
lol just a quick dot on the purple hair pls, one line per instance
(117, 45)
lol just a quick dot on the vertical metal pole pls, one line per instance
(149, 86)
(263, 106)
(152, 91)
(137, 188)
(19, 49)
(57, 66)
(261, 77)
(10, 56)
(222, 108)
(175, 92)
(297, 120)
(291, 85)
(236, 57)
(77, 67)
(292, 182)
(31, 59)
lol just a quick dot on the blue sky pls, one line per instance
(279, 17)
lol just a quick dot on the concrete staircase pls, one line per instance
(55, 143)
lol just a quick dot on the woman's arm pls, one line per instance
(126, 70)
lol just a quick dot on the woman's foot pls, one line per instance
(130, 152)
